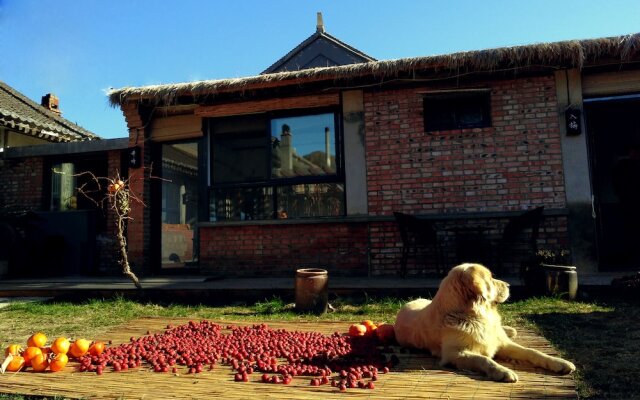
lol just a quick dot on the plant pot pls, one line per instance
(561, 280)
(312, 290)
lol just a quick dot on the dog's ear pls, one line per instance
(475, 285)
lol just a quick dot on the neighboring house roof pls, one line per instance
(23, 114)
(319, 50)
(565, 54)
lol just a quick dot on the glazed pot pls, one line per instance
(561, 280)
(312, 290)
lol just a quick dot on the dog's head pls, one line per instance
(474, 284)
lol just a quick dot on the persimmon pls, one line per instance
(16, 364)
(60, 345)
(58, 362)
(40, 362)
(79, 348)
(96, 348)
(13, 349)
(29, 353)
(357, 330)
(38, 339)
(371, 327)
(386, 333)
(115, 186)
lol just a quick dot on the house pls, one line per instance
(43, 161)
(304, 165)
(304, 168)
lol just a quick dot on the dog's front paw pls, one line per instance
(503, 374)
(561, 366)
(511, 332)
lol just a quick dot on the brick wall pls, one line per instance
(278, 250)
(21, 184)
(513, 165)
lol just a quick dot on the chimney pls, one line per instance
(51, 102)
(319, 23)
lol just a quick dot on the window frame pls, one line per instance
(274, 183)
(455, 102)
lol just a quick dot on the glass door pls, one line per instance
(179, 205)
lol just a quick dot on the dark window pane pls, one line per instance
(456, 111)
(239, 150)
(241, 204)
(311, 200)
(303, 146)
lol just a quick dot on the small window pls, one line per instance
(457, 111)
(63, 187)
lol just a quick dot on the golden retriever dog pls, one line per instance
(461, 325)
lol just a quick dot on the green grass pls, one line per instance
(602, 338)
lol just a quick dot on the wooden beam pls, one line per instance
(176, 127)
(610, 83)
(260, 106)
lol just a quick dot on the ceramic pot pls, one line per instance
(561, 280)
(312, 290)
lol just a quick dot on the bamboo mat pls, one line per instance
(417, 376)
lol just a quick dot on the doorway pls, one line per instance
(179, 210)
(613, 128)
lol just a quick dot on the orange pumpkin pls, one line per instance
(13, 349)
(371, 327)
(38, 339)
(96, 348)
(357, 330)
(79, 348)
(60, 345)
(58, 362)
(40, 362)
(16, 364)
(29, 353)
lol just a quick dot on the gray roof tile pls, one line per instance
(20, 113)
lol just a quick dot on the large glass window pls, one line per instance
(275, 167)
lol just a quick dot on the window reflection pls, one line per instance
(241, 204)
(63, 187)
(303, 146)
(311, 200)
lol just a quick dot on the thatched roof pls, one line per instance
(565, 54)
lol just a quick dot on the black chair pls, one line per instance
(418, 234)
(519, 241)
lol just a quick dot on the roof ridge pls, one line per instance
(315, 35)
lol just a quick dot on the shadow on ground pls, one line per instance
(603, 345)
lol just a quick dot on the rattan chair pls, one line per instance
(418, 235)
(519, 241)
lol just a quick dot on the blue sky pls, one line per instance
(78, 49)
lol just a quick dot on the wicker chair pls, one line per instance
(519, 241)
(418, 234)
